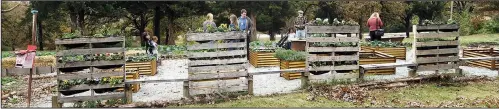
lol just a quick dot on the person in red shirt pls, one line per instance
(374, 23)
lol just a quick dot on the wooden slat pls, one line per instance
(437, 51)
(215, 36)
(216, 68)
(332, 49)
(217, 61)
(90, 63)
(207, 87)
(437, 27)
(89, 51)
(216, 54)
(333, 39)
(215, 45)
(437, 67)
(436, 59)
(107, 74)
(475, 54)
(68, 76)
(387, 65)
(218, 75)
(313, 58)
(333, 29)
(103, 63)
(91, 98)
(98, 86)
(437, 35)
(89, 40)
(342, 67)
(436, 43)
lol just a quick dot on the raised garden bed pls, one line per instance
(377, 58)
(487, 52)
(290, 59)
(391, 48)
(262, 54)
(144, 68)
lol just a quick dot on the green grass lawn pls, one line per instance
(429, 95)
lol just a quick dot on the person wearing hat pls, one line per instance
(300, 23)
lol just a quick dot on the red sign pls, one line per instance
(26, 58)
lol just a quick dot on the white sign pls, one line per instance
(20, 60)
(30, 58)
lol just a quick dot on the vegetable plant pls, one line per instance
(290, 55)
(381, 44)
(259, 45)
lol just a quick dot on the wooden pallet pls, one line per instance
(337, 34)
(218, 71)
(145, 68)
(263, 59)
(488, 52)
(398, 52)
(130, 75)
(436, 55)
(291, 65)
(377, 58)
(83, 46)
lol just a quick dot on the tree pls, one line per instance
(359, 11)
(139, 13)
(428, 10)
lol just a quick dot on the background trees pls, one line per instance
(170, 20)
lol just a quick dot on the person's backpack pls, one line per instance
(379, 31)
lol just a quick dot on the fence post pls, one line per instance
(128, 93)
(250, 85)
(459, 71)
(55, 102)
(361, 73)
(304, 80)
(412, 72)
(186, 89)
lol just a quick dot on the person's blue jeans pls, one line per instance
(300, 34)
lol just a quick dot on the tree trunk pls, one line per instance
(72, 15)
(81, 19)
(408, 24)
(40, 35)
(253, 28)
(171, 37)
(156, 23)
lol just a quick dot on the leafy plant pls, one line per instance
(6, 54)
(91, 57)
(381, 44)
(434, 39)
(6, 80)
(140, 57)
(223, 28)
(290, 55)
(333, 44)
(260, 45)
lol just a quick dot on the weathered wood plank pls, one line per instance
(216, 54)
(89, 40)
(387, 65)
(113, 62)
(215, 36)
(313, 58)
(333, 39)
(437, 43)
(437, 27)
(437, 35)
(74, 64)
(107, 74)
(437, 51)
(218, 75)
(98, 86)
(68, 76)
(217, 61)
(422, 60)
(332, 49)
(216, 45)
(90, 51)
(216, 68)
(332, 29)
(437, 67)
(342, 67)
(91, 98)
(479, 58)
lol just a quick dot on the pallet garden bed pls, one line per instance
(377, 58)
(262, 54)
(144, 68)
(218, 63)
(438, 49)
(487, 52)
(77, 55)
(328, 51)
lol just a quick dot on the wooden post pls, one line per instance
(493, 62)
(250, 85)
(186, 89)
(412, 72)
(304, 80)
(459, 72)
(361, 73)
(128, 93)
(55, 102)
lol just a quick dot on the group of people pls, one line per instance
(243, 22)
(151, 44)
(374, 23)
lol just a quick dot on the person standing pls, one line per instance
(300, 24)
(147, 42)
(374, 23)
(209, 21)
(233, 22)
(244, 22)
(154, 46)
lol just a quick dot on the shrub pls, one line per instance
(290, 55)
(491, 26)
